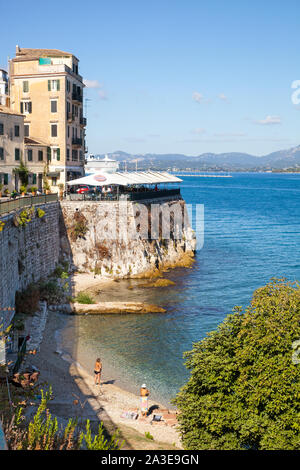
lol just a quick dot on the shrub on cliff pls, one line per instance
(244, 392)
(44, 433)
(27, 301)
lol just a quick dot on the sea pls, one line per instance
(251, 234)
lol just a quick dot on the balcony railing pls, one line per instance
(129, 196)
(83, 121)
(20, 202)
(77, 97)
(77, 142)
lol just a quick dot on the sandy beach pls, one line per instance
(76, 395)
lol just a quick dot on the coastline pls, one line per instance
(71, 382)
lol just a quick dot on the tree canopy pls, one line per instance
(243, 392)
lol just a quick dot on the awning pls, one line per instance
(126, 178)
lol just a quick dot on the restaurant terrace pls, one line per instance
(133, 186)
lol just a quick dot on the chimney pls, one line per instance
(17, 49)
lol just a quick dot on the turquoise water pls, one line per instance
(252, 226)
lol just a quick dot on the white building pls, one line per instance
(3, 88)
(95, 164)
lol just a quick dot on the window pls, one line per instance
(56, 154)
(1, 128)
(5, 178)
(68, 131)
(17, 154)
(40, 155)
(53, 106)
(54, 181)
(68, 154)
(17, 131)
(53, 85)
(68, 86)
(74, 155)
(26, 130)
(1, 153)
(34, 178)
(53, 130)
(48, 154)
(26, 107)
(29, 155)
(25, 87)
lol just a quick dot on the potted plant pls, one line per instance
(33, 190)
(6, 191)
(23, 189)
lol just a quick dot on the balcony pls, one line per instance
(76, 142)
(83, 121)
(77, 97)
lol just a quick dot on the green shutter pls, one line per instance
(30, 107)
(34, 178)
(58, 85)
(49, 85)
(21, 107)
(58, 154)
(5, 178)
(25, 87)
(49, 154)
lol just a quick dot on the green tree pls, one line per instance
(243, 392)
(23, 172)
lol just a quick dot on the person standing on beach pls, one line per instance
(144, 393)
(97, 371)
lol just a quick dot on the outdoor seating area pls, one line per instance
(131, 186)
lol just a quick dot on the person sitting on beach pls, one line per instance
(97, 371)
(144, 393)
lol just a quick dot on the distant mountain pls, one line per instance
(211, 161)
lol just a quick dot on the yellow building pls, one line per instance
(46, 87)
(11, 146)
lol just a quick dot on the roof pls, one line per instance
(126, 178)
(6, 110)
(34, 141)
(26, 53)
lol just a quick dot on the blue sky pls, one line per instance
(174, 76)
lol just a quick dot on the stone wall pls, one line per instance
(88, 241)
(27, 254)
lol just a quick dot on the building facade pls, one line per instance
(11, 146)
(4, 100)
(46, 87)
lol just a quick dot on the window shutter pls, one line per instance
(58, 154)
(49, 154)
(58, 85)
(21, 107)
(30, 107)
(49, 85)
(5, 178)
(34, 178)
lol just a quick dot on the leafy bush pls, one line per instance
(84, 298)
(43, 433)
(243, 392)
(79, 228)
(40, 213)
(27, 301)
(51, 292)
